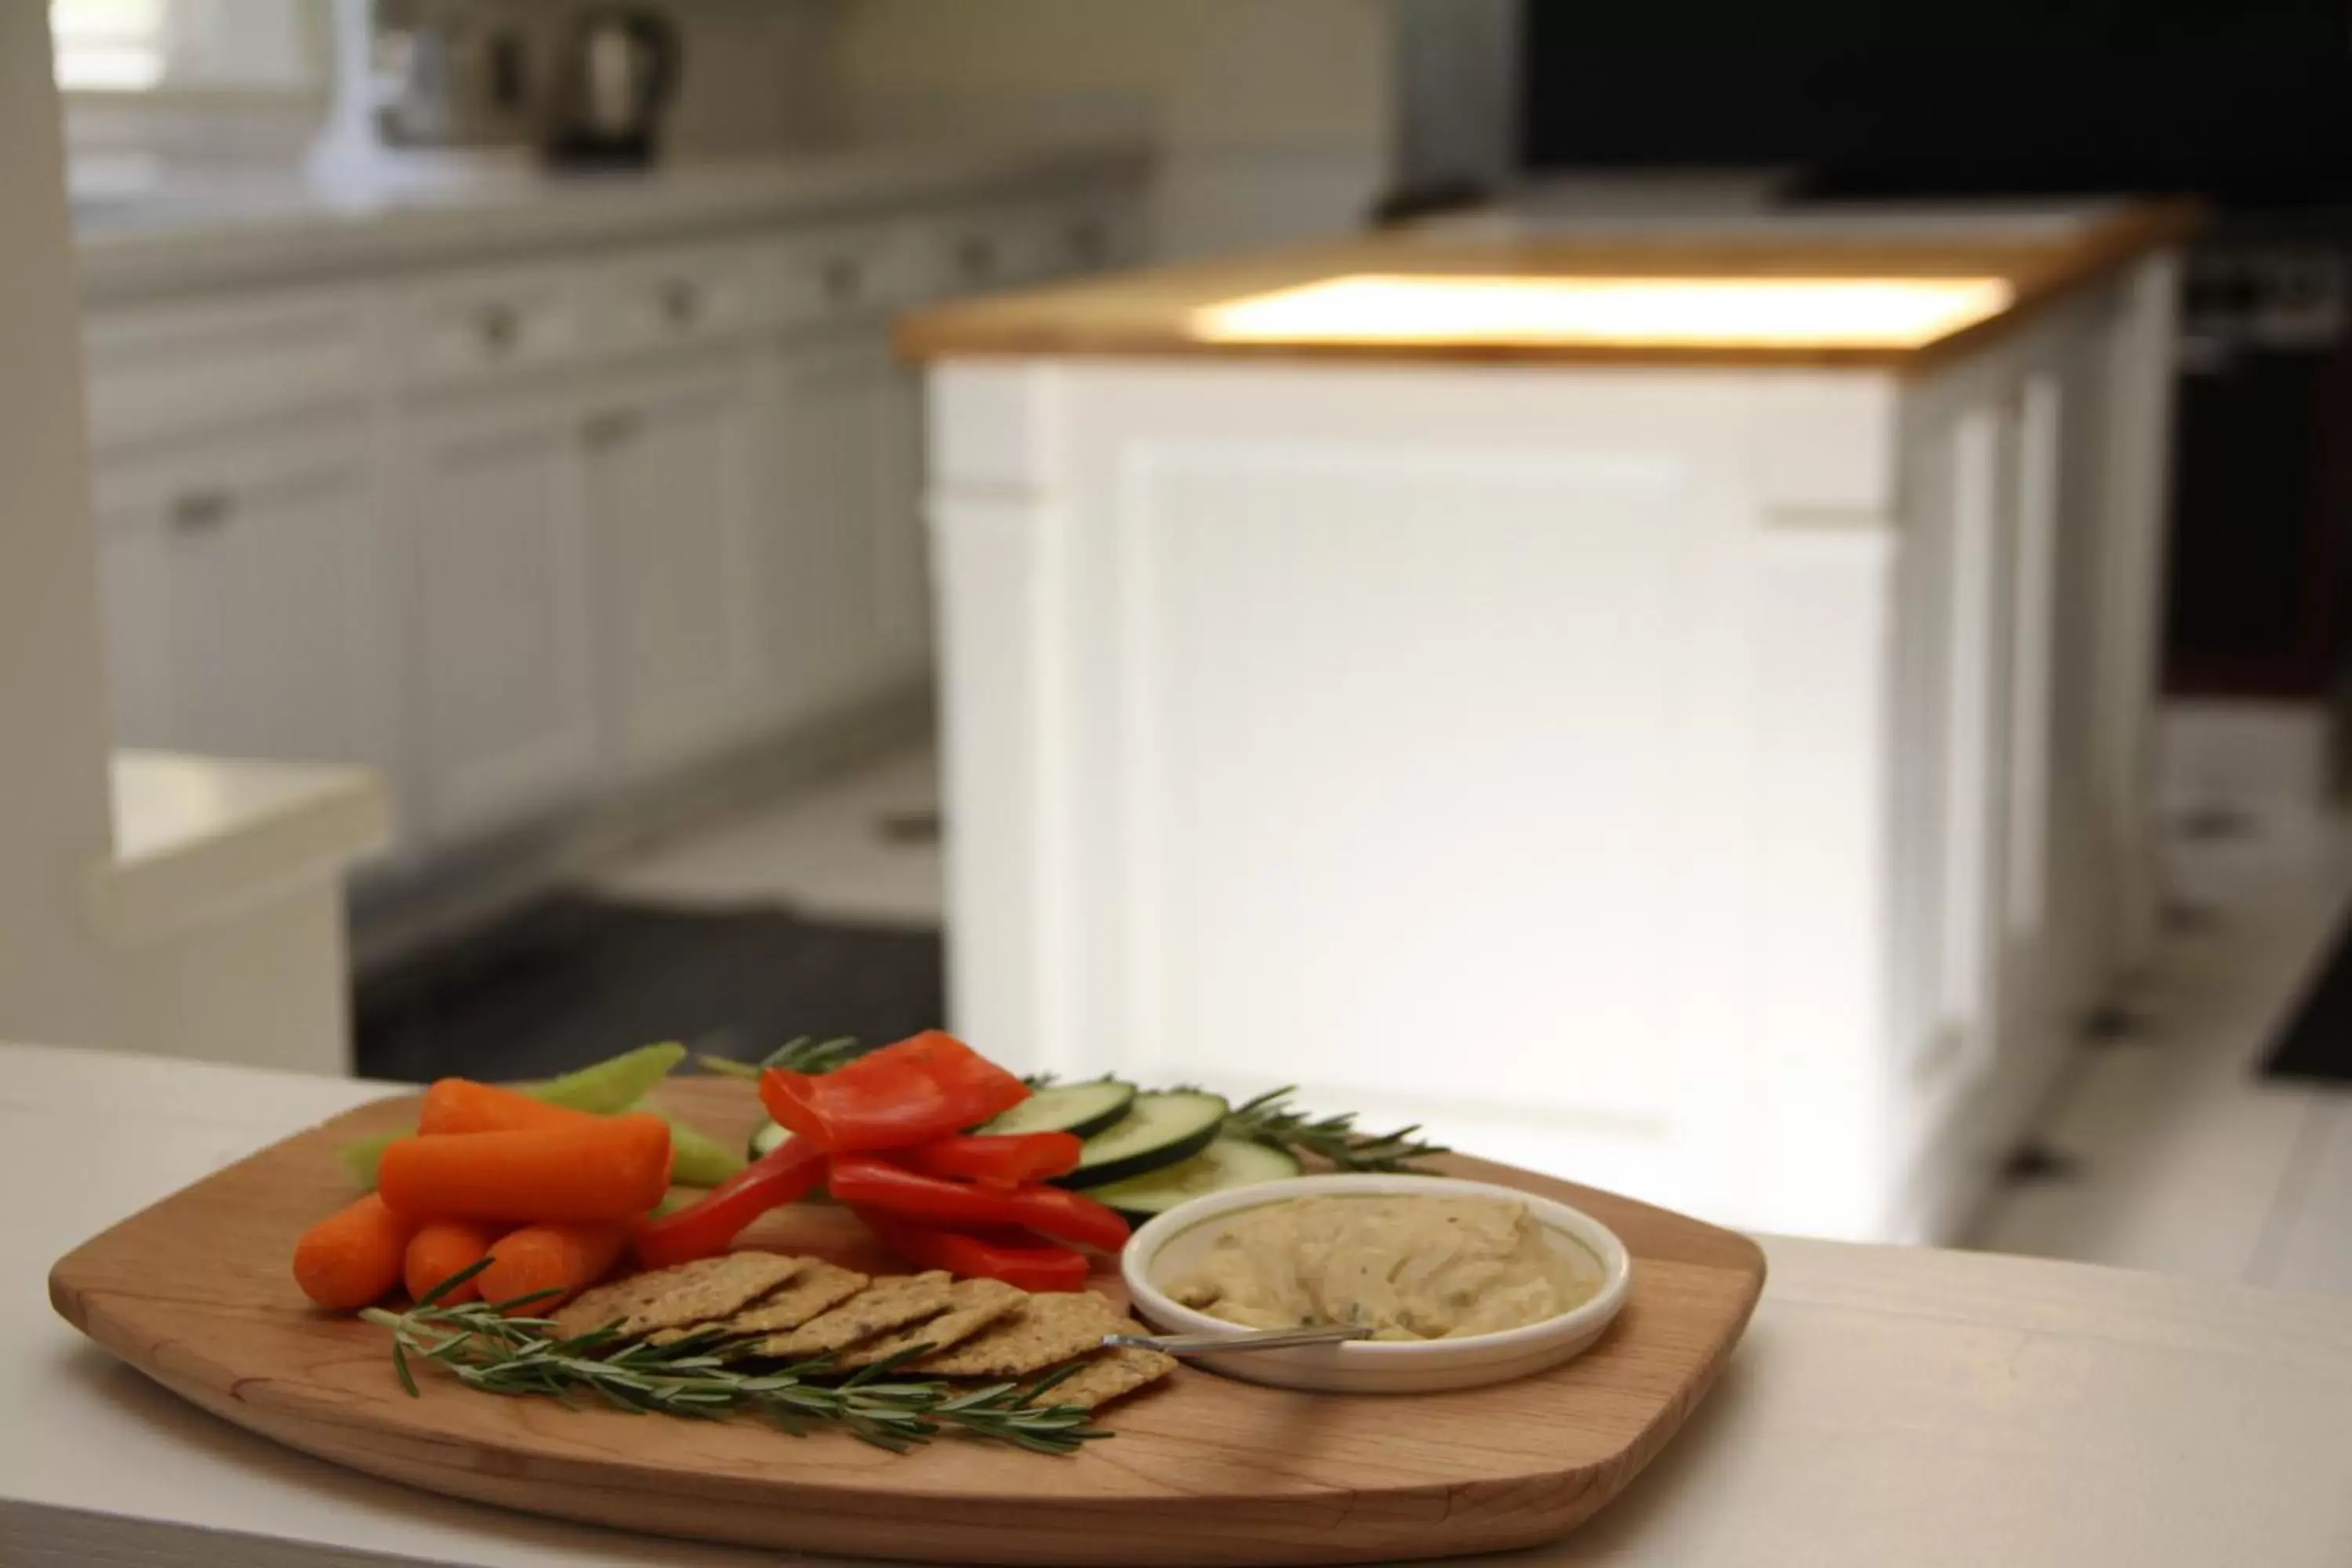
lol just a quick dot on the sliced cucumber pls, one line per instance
(769, 1139)
(1226, 1163)
(1085, 1109)
(1157, 1130)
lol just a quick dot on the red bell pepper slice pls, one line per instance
(1018, 1260)
(704, 1228)
(928, 1086)
(865, 1181)
(995, 1160)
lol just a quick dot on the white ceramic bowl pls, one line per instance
(1162, 1247)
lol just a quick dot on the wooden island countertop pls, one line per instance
(1859, 300)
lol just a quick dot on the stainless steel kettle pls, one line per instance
(615, 77)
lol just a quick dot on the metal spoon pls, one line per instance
(1244, 1339)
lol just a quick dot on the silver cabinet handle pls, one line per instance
(201, 511)
(498, 327)
(681, 301)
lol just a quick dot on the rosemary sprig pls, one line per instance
(805, 1054)
(1271, 1120)
(514, 1356)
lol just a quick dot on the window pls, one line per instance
(268, 47)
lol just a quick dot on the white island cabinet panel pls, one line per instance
(1486, 748)
(1281, 609)
(673, 487)
(498, 556)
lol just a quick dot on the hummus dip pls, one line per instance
(1411, 1266)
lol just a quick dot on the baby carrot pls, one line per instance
(608, 1168)
(441, 1247)
(461, 1105)
(354, 1255)
(564, 1257)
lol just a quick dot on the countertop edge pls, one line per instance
(139, 263)
(1011, 326)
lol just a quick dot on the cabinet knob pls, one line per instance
(498, 327)
(200, 511)
(976, 256)
(842, 280)
(681, 301)
(611, 428)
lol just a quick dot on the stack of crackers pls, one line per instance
(795, 1309)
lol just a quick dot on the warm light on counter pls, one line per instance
(1711, 312)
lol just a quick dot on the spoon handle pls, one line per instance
(1241, 1340)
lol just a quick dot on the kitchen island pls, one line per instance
(1886, 1406)
(1670, 711)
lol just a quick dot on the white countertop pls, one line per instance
(191, 234)
(1886, 1407)
(192, 834)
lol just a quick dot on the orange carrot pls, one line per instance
(441, 1247)
(609, 1168)
(461, 1105)
(354, 1255)
(566, 1258)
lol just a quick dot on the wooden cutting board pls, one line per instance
(196, 1293)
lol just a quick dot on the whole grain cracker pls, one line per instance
(1045, 1330)
(886, 1304)
(686, 1293)
(1109, 1375)
(818, 1287)
(973, 1305)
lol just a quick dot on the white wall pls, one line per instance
(55, 826)
(1274, 120)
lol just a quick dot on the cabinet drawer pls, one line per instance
(160, 370)
(1017, 244)
(659, 298)
(1092, 234)
(970, 252)
(478, 326)
(839, 275)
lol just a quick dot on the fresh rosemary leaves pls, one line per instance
(1271, 1120)
(514, 1356)
(805, 1054)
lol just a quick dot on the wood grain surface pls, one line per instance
(196, 1293)
(1146, 314)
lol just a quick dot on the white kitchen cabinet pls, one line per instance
(243, 595)
(501, 673)
(674, 503)
(843, 580)
(545, 522)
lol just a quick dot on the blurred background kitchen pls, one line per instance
(521, 616)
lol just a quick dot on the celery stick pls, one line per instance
(361, 1158)
(613, 1085)
(697, 1159)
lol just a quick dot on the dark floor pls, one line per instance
(576, 977)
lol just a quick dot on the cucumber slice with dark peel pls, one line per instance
(1226, 1163)
(1158, 1131)
(1085, 1109)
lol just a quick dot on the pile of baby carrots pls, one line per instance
(550, 1195)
